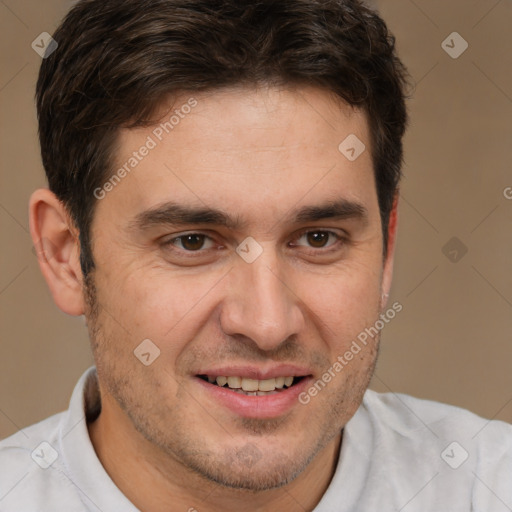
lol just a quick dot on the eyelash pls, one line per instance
(340, 239)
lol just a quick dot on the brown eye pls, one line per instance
(317, 239)
(191, 242)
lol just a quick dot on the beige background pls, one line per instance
(453, 340)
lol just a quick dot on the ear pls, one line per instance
(57, 247)
(387, 276)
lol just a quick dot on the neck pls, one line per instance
(154, 481)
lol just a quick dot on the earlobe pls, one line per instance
(391, 244)
(56, 245)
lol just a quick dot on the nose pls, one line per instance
(261, 304)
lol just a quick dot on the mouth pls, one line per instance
(251, 393)
(253, 387)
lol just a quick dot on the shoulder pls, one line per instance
(465, 459)
(35, 461)
(20, 448)
(31, 466)
(406, 414)
(400, 452)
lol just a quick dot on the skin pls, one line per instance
(258, 155)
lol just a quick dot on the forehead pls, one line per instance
(273, 118)
(265, 148)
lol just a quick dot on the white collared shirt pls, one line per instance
(398, 454)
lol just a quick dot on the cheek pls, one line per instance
(344, 302)
(159, 305)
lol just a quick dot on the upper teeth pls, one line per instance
(252, 384)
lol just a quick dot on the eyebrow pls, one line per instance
(171, 213)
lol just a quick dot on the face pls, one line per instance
(247, 248)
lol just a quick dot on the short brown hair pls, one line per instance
(117, 59)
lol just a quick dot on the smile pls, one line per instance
(252, 387)
(250, 393)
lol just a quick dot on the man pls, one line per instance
(222, 208)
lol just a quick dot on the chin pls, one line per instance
(254, 465)
(255, 477)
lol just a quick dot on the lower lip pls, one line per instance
(250, 406)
